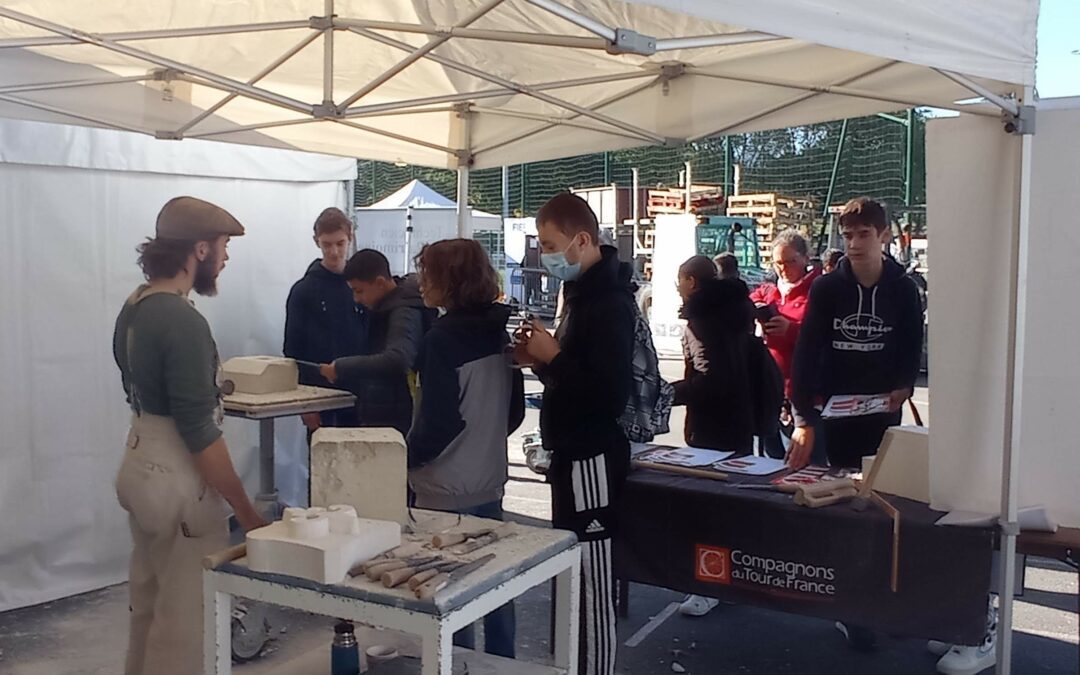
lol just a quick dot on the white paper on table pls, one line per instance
(855, 405)
(1030, 519)
(751, 466)
(688, 456)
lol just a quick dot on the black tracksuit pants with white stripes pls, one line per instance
(583, 498)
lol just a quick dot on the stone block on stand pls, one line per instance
(261, 374)
(364, 468)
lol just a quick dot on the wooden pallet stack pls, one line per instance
(704, 198)
(773, 213)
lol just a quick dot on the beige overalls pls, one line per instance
(175, 520)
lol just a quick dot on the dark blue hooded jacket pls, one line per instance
(323, 323)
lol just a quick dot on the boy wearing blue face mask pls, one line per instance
(587, 376)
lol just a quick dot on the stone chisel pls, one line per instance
(395, 578)
(429, 588)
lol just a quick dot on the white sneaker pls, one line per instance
(938, 648)
(697, 605)
(961, 660)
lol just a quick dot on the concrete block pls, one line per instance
(364, 468)
(261, 374)
(906, 469)
(319, 544)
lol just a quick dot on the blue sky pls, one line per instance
(1057, 72)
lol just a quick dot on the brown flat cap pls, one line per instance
(193, 219)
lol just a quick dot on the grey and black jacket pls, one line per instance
(470, 400)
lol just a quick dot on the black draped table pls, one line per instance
(757, 547)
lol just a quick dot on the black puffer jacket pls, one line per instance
(718, 347)
(380, 379)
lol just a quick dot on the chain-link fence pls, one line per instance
(880, 158)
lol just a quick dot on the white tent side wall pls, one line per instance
(67, 263)
(1050, 468)
(972, 182)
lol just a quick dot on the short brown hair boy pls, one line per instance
(569, 214)
(864, 212)
(332, 220)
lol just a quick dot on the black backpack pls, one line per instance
(649, 406)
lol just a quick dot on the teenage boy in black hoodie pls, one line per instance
(587, 376)
(862, 335)
(322, 321)
(381, 378)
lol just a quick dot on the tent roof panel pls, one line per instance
(673, 96)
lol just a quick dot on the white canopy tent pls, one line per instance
(404, 221)
(480, 83)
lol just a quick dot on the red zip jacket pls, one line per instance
(793, 308)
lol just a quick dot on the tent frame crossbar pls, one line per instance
(466, 97)
(274, 65)
(841, 90)
(577, 18)
(72, 84)
(412, 58)
(132, 36)
(96, 121)
(601, 104)
(646, 135)
(111, 45)
(615, 40)
(551, 121)
(794, 101)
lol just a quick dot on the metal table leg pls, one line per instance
(267, 499)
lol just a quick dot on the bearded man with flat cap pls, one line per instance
(176, 476)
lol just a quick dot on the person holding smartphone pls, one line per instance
(780, 310)
(587, 371)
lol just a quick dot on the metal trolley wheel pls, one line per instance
(250, 631)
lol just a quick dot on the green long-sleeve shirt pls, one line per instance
(173, 366)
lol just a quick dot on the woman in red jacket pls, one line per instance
(784, 303)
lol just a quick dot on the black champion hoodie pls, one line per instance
(857, 340)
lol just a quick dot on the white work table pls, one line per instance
(266, 408)
(523, 561)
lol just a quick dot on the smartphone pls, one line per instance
(765, 312)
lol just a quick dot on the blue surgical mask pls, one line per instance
(558, 267)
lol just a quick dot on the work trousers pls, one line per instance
(175, 520)
(584, 494)
(850, 439)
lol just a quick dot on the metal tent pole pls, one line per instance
(835, 169)
(464, 224)
(635, 201)
(909, 142)
(408, 238)
(505, 191)
(1014, 380)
